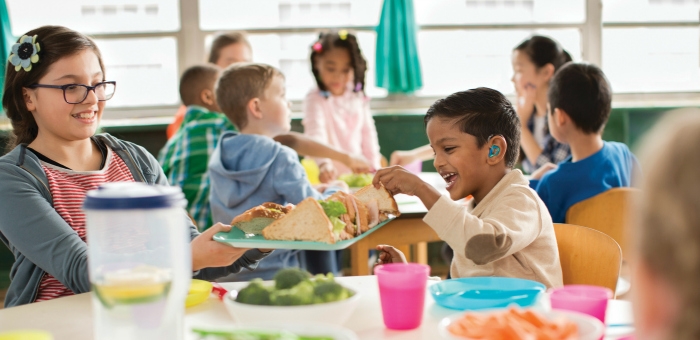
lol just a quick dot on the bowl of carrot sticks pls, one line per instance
(516, 323)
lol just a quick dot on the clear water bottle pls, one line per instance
(139, 260)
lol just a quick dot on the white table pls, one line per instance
(70, 317)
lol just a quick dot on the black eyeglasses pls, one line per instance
(76, 93)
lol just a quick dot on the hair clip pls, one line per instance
(358, 87)
(24, 53)
(317, 47)
(343, 34)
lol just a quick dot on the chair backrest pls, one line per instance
(588, 256)
(607, 212)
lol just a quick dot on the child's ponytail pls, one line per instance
(55, 43)
(340, 39)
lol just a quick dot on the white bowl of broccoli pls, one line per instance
(294, 296)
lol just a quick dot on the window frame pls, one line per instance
(191, 35)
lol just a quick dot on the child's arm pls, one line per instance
(314, 122)
(389, 254)
(291, 183)
(398, 180)
(514, 224)
(422, 153)
(370, 141)
(307, 146)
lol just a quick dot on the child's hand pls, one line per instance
(402, 157)
(358, 164)
(327, 172)
(547, 167)
(525, 102)
(389, 254)
(398, 180)
(208, 253)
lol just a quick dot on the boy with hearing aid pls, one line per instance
(505, 229)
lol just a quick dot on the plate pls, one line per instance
(238, 238)
(589, 328)
(300, 329)
(474, 293)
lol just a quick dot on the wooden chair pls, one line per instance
(607, 212)
(588, 256)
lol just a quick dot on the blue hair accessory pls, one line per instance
(494, 151)
(24, 53)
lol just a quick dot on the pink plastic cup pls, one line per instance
(415, 167)
(591, 300)
(402, 291)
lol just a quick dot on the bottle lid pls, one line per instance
(133, 195)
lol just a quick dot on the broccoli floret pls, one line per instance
(255, 294)
(301, 294)
(290, 277)
(320, 278)
(330, 291)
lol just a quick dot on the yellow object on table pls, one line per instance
(312, 171)
(26, 335)
(199, 292)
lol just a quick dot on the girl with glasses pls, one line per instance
(54, 95)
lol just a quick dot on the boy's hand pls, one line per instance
(389, 254)
(547, 167)
(208, 253)
(336, 183)
(398, 180)
(327, 172)
(358, 164)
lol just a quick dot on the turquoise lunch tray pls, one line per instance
(238, 238)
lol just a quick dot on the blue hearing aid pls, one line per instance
(494, 150)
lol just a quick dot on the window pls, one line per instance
(645, 46)
(145, 67)
(651, 45)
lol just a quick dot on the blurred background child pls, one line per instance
(535, 61)
(227, 48)
(337, 112)
(666, 233)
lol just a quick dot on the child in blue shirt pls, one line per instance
(249, 168)
(580, 98)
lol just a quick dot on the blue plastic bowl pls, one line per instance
(474, 293)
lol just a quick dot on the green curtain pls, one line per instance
(6, 41)
(398, 65)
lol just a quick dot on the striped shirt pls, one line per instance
(186, 155)
(68, 189)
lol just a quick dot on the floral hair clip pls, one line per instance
(343, 34)
(317, 47)
(24, 53)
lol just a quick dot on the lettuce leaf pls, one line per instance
(338, 225)
(333, 208)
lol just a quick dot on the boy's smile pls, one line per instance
(461, 163)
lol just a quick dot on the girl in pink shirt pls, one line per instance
(337, 112)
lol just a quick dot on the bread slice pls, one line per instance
(255, 219)
(306, 222)
(385, 201)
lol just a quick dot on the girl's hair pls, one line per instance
(55, 42)
(543, 50)
(223, 40)
(666, 231)
(334, 39)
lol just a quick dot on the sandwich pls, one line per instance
(254, 220)
(379, 199)
(309, 221)
(340, 217)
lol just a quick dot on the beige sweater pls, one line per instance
(509, 233)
